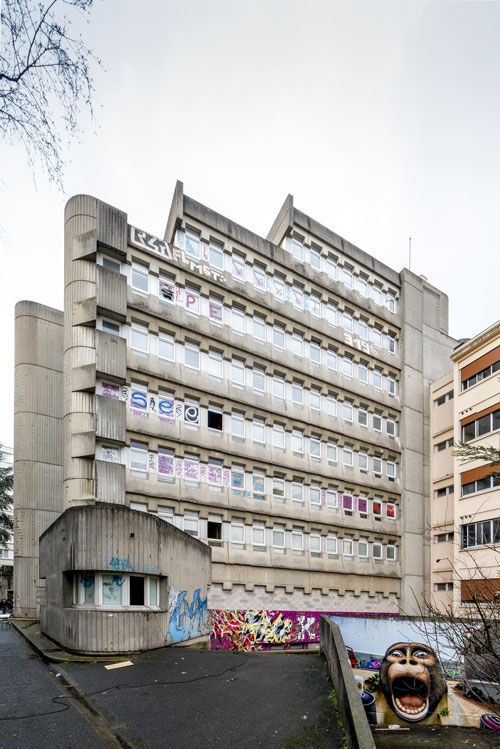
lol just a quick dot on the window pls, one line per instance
(297, 538)
(331, 453)
(110, 264)
(192, 300)
(331, 499)
(331, 545)
(297, 441)
(216, 255)
(347, 547)
(377, 379)
(258, 535)
(140, 277)
(214, 472)
(377, 466)
(331, 314)
(191, 468)
(315, 543)
(166, 288)
(347, 457)
(347, 367)
(215, 311)
(484, 425)
(215, 365)
(259, 278)
(238, 267)
(238, 373)
(258, 484)
(440, 538)
(297, 294)
(191, 524)
(297, 393)
(362, 548)
(238, 425)
(363, 462)
(331, 267)
(259, 379)
(346, 277)
(315, 495)
(259, 328)
(488, 482)
(474, 379)
(297, 345)
(391, 385)
(278, 537)
(444, 398)
(376, 337)
(139, 506)
(347, 411)
(315, 448)
(391, 344)
(138, 460)
(331, 359)
(363, 374)
(315, 399)
(445, 445)
(331, 405)
(376, 294)
(166, 347)
(279, 387)
(166, 466)
(279, 336)
(363, 417)
(112, 589)
(238, 479)
(278, 437)
(297, 492)
(377, 422)
(390, 427)
(315, 304)
(361, 285)
(444, 491)
(315, 258)
(139, 338)
(238, 320)
(377, 551)
(390, 301)
(111, 327)
(315, 353)
(362, 329)
(214, 529)
(279, 488)
(259, 431)
(192, 355)
(390, 553)
(297, 249)
(441, 587)
(214, 418)
(278, 288)
(192, 243)
(347, 321)
(237, 533)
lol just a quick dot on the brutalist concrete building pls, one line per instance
(267, 396)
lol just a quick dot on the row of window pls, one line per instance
(444, 491)
(480, 485)
(257, 326)
(278, 538)
(482, 375)
(171, 410)
(252, 484)
(142, 460)
(256, 273)
(481, 533)
(171, 351)
(444, 398)
(480, 427)
(344, 273)
(444, 445)
(441, 587)
(115, 589)
(440, 538)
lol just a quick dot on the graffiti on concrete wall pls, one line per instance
(186, 620)
(252, 629)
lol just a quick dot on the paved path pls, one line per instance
(35, 711)
(185, 698)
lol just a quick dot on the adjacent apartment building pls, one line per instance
(7, 549)
(268, 396)
(465, 407)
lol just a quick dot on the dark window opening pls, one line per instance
(136, 591)
(214, 531)
(215, 420)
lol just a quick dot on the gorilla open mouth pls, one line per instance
(410, 697)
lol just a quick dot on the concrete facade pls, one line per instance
(38, 472)
(465, 407)
(268, 396)
(96, 558)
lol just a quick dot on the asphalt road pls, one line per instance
(34, 710)
(186, 698)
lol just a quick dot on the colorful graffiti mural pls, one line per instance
(186, 620)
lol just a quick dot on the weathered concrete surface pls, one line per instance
(31, 715)
(203, 699)
(436, 737)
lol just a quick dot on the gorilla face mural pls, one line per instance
(411, 680)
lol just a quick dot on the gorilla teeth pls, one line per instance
(408, 710)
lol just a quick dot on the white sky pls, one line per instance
(381, 118)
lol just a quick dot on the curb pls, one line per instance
(48, 657)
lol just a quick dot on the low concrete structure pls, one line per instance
(118, 581)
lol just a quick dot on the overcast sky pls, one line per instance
(381, 118)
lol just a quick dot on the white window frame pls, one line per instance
(141, 330)
(139, 270)
(192, 348)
